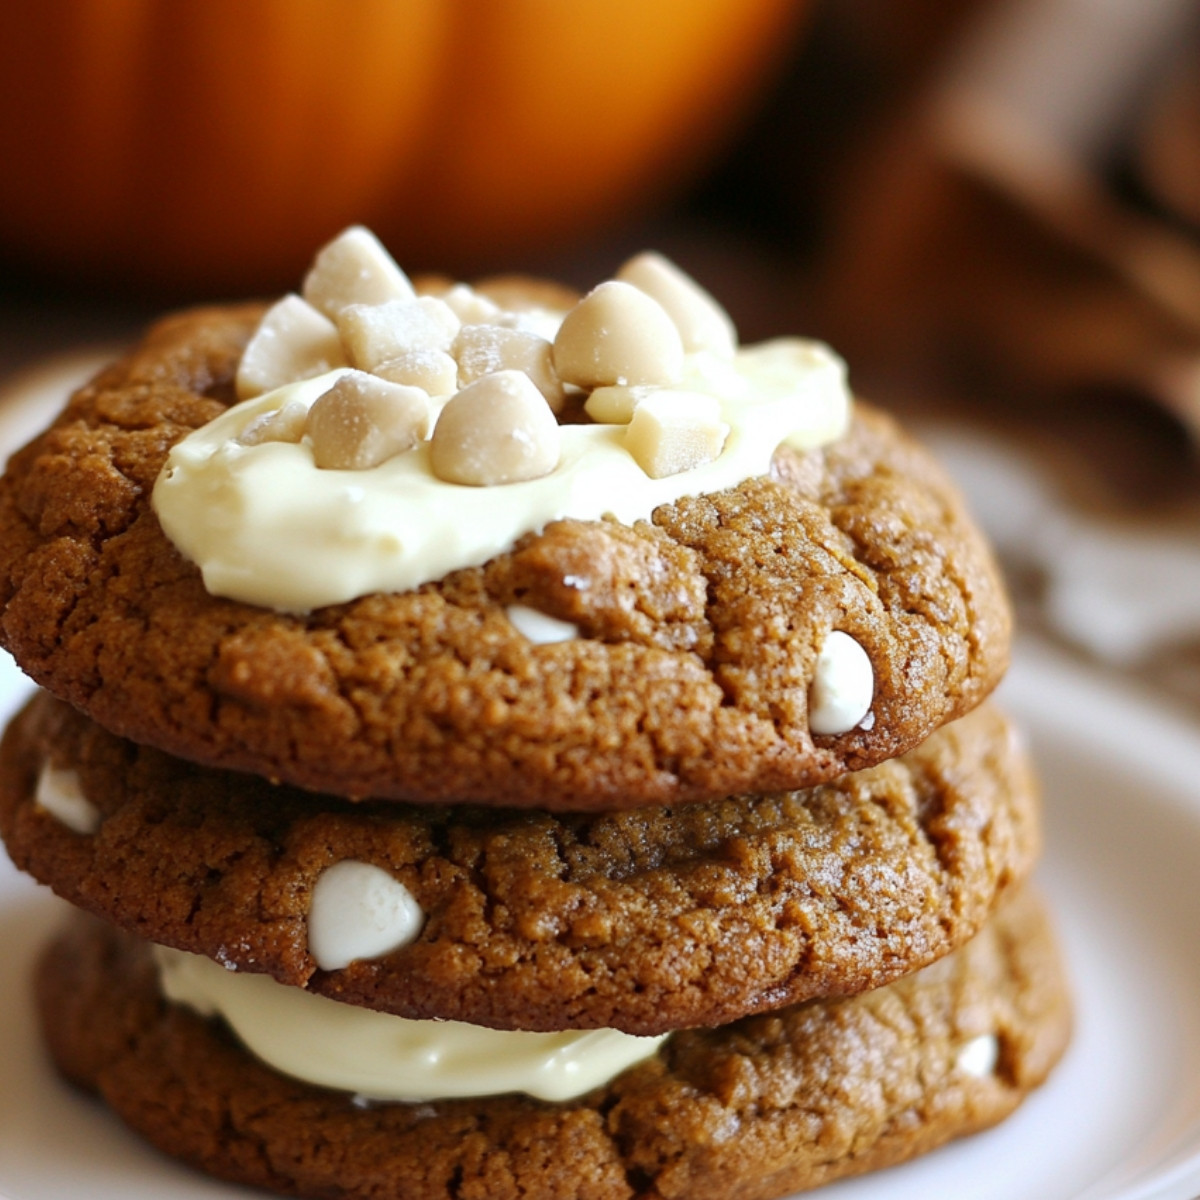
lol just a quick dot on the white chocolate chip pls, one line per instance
(376, 333)
(615, 404)
(433, 371)
(979, 1056)
(60, 793)
(542, 321)
(538, 627)
(470, 306)
(497, 430)
(702, 323)
(354, 269)
(673, 431)
(363, 421)
(618, 334)
(485, 349)
(293, 341)
(842, 688)
(359, 911)
(286, 424)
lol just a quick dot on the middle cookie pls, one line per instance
(645, 921)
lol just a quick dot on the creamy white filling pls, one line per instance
(378, 1056)
(265, 526)
(60, 793)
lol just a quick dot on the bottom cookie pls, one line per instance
(759, 1108)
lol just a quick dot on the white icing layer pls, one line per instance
(382, 1057)
(359, 911)
(59, 793)
(265, 526)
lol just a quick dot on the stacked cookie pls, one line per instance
(515, 744)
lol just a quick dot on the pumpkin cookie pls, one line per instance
(763, 1107)
(670, 571)
(645, 920)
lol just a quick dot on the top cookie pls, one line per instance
(695, 662)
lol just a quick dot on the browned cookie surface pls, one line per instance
(699, 630)
(757, 1109)
(647, 920)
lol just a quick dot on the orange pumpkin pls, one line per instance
(211, 144)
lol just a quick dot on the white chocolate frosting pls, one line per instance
(378, 1056)
(266, 527)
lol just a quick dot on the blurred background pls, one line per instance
(990, 207)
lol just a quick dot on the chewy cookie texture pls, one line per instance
(646, 920)
(698, 631)
(772, 1104)
(547, 663)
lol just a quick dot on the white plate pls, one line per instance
(1119, 1120)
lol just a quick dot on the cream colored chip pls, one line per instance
(539, 627)
(293, 341)
(286, 424)
(354, 269)
(485, 349)
(618, 334)
(60, 793)
(542, 321)
(673, 431)
(702, 323)
(377, 333)
(471, 307)
(363, 421)
(979, 1057)
(433, 371)
(842, 687)
(614, 404)
(498, 429)
(359, 911)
